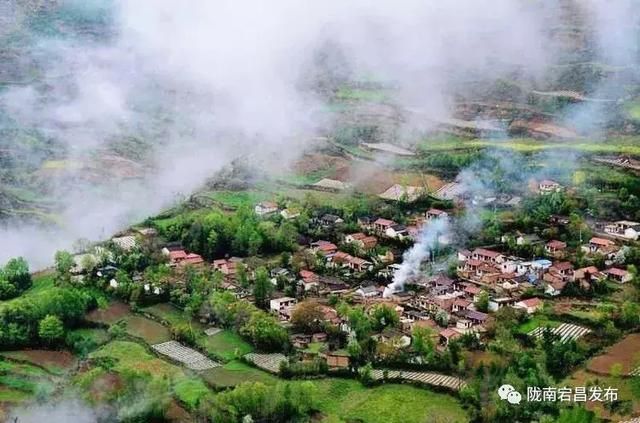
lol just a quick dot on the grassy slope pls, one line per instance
(236, 372)
(227, 345)
(347, 400)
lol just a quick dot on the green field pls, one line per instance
(343, 400)
(21, 382)
(237, 199)
(167, 312)
(536, 322)
(133, 357)
(620, 145)
(234, 373)
(42, 286)
(191, 391)
(227, 345)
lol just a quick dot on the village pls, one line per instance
(442, 287)
(453, 302)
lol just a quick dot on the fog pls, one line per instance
(202, 83)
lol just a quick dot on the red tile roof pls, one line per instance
(308, 275)
(617, 272)
(601, 241)
(473, 290)
(557, 245)
(449, 333)
(485, 252)
(563, 265)
(384, 222)
(532, 302)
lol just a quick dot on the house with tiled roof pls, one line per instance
(265, 207)
(555, 248)
(530, 305)
(619, 275)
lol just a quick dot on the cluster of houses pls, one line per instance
(447, 305)
(513, 274)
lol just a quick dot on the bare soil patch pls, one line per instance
(51, 360)
(373, 178)
(106, 386)
(625, 353)
(152, 332)
(314, 162)
(110, 315)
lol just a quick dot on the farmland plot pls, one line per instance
(185, 355)
(268, 362)
(566, 332)
(624, 353)
(428, 378)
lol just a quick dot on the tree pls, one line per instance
(630, 314)
(422, 341)
(221, 307)
(265, 331)
(50, 329)
(63, 263)
(308, 317)
(359, 322)
(384, 316)
(482, 304)
(17, 273)
(7, 290)
(241, 274)
(442, 318)
(262, 288)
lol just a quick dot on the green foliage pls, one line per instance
(215, 233)
(63, 264)
(16, 272)
(20, 318)
(422, 342)
(308, 317)
(191, 392)
(482, 304)
(50, 329)
(265, 332)
(261, 328)
(384, 316)
(262, 288)
(282, 402)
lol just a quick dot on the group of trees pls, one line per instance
(14, 278)
(26, 321)
(260, 327)
(241, 233)
(255, 401)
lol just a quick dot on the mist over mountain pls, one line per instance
(111, 110)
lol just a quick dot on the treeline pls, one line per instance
(42, 320)
(255, 401)
(241, 233)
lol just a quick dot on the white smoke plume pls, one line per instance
(431, 234)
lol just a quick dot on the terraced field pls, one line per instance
(566, 332)
(185, 355)
(428, 378)
(268, 362)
